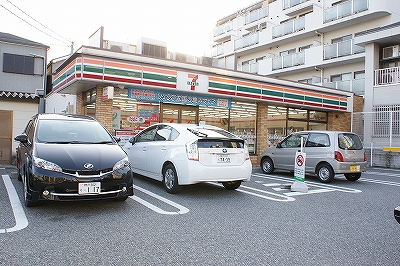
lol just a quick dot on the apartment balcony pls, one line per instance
(256, 15)
(246, 41)
(217, 50)
(288, 60)
(342, 49)
(289, 27)
(248, 68)
(386, 86)
(345, 9)
(356, 85)
(223, 32)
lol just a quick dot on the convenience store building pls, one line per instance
(127, 92)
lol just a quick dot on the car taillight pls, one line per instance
(365, 157)
(338, 156)
(192, 151)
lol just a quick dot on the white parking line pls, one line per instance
(182, 210)
(20, 219)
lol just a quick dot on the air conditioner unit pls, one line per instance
(390, 52)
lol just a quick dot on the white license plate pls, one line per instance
(354, 168)
(89, 188)
(221, 158)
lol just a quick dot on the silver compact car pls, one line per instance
(184, 154)
(327, 153)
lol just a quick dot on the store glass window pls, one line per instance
(283, 121)
(218, 117)
(242, 122)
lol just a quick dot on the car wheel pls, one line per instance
(170, 179)
(352, 176)
(27, 201)
(267, 166)
(325, 173)
(232, 185)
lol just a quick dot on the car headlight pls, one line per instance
(40, 163)
(121, 164)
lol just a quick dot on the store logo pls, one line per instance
(194, 82)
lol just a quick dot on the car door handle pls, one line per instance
(163, 148)
(144, 149)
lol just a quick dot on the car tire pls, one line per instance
(325, 173)
(27, 201)
(352, 176)
(170, 179)
(232, 185)
(19, 176)
(267, 166)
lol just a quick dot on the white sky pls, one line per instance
(186, 25)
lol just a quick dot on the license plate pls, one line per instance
(89, 188)
(223, 158)
(354, 168)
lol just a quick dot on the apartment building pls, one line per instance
(22, 87)
(348, 45)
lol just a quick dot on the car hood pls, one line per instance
(74, 156)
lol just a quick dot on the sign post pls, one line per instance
(299, 171)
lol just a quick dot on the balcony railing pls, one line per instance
(289, 27)
(221, 29)
(217, 50)
(256, 15)
(345, 9)
(249, 68)
(387, 76)
(288, 60)
(290, 3)
(342, 49)
(246, 41)
(356, 85)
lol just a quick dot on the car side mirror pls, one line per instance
(23, 138)
(117, 139)
(397, 213)
(132, 140)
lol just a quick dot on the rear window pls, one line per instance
(211, 133)
(212, 143)
(348, 141)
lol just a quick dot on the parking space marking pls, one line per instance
(323, 187)
(182, 209)
(19, 215)
(380, 182)
(271, 196)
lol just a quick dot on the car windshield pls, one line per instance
(72, 131)
(348, 141)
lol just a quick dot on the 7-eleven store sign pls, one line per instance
(192, 82)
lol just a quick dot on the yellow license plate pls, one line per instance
(354, 168)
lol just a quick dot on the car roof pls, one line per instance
(324, 131)
(53, 116)
(183, 125)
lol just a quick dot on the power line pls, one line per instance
(38, 22)
(35, 26)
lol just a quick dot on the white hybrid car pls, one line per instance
(184, 154)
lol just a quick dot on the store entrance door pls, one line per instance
(171, 113)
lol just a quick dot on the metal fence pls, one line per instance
(380, 133)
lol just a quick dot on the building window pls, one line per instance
(19, 64)
(342, 39)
